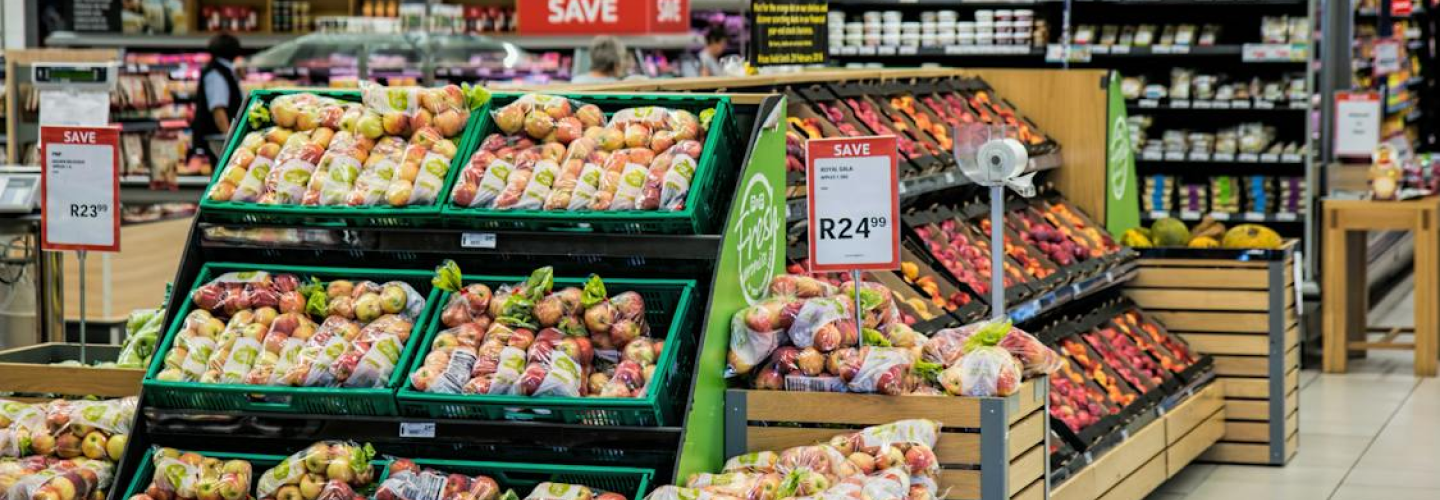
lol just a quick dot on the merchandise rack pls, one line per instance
(679, 446)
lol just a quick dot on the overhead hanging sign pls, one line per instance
(1357, 123)
(80, 188)
(611, 17)
(788, 32)
(853, 191)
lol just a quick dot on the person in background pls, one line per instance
(716, 39)
(607, 61)
(218, 96)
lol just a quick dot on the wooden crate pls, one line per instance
(1239, 307)
(27, 370)
(990, 448)
(1193, 426)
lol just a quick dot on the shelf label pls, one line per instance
(1220, 104)
(1273, 52)
(1159, 214)
(1220, 215)
(1152, 156)
(1180, 103)
(1174, 156)
(852, 185)
(1291, 158)
(1240, 104)
(1199, 104)
(1247, 158)
(417, 429)
(80, 188)
(909, 50)
(1285, 216)
(867, 50)
(1120, 49)
(1148, 103)
(1062, 53)
(849, 50)
(1197, 156)
(1387, 57)
(1270, 158)
(1190, 214)
(1223, 157)
(477, 240)
(886, 50)
(1253, 216)
(1264, 105)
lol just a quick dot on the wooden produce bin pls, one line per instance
(1238, 306)
(989, 448)
(27, 370)
(1155, 450)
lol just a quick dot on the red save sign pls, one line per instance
(852, 185)
(80, 188)
(612, 17)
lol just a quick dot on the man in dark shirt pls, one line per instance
(218, 97)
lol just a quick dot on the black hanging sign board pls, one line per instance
(788, 32)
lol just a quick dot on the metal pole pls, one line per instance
(80, 255)
(859, 317)
(997, 252)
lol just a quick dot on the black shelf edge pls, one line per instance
(1258, 105)
(1191, 216)
(1060, 297)
(1213, 158)
(454, 241)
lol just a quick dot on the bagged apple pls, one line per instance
(563, 491)
(1034, 356)
(826, 323)
(184, 475)
(883, 370)
(407, 481)
(749, 348)
(737, 484)
(344, 461)
(78, 478)
(670, 492)
(987, 369)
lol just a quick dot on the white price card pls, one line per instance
(854, 222)
(1357, 123)
(417, 429)
(80, 188)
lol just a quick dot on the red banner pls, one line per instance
(602, 17)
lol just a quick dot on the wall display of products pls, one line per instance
(936, 31)
(1398, 69)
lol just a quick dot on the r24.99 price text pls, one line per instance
(846, 228)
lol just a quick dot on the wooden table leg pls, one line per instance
(1427, 253)
(1357, 294)
(1333, 296)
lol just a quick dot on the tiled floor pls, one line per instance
(1371, 434)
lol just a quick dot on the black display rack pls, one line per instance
(497, 252)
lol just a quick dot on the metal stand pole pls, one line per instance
(80, 255)
(859, 316)
(997, 252)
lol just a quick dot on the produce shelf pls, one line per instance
(1060, 298)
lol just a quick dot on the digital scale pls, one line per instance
(74, 94)
(19, 187)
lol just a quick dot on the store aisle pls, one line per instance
(1369, 434)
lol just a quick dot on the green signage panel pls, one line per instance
(1122, 201)
(753, 252)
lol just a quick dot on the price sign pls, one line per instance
(80, 188)
(1357, 123)
(854, 223)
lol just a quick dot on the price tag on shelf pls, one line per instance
(1291, 158)
(853, 195)
(1253, 216)
(1120, 49)
(1387, 57)
(849, 50)
(1198, 156)
(1058, 53)
(1270, 158)
(1264, 105)
(1190, 215)
(1220, 215)
(1240, 104)
(1202, 104)
(417, 429)
(868, 50)
(1285, 216)
(909, 50)
(477, 240)
(1247, 158)
(1152, 156)
(1180, 103)
(1099, 49)
(1220, 104)
(80, 188)
(1223, 157)
(1148, 103)
(1159, 214)
(886, 50)
(1174, 156)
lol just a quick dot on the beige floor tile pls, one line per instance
(1248, 490)
(1420, 475)
(1329, 450)
(1188, 479)
(1289, 474)
(1367, 492)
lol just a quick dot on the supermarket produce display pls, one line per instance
(62, 449)
(581, 280)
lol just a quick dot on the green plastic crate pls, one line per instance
(279, 399)
(145, 470)
(669, 309)
(715, 167)
(332, 216)
(522, 478)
